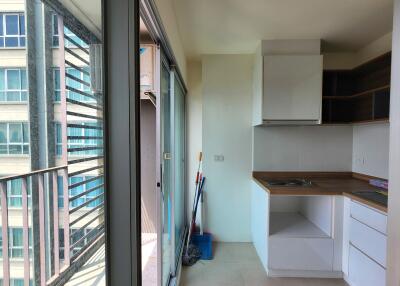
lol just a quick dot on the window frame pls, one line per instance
(22, 144)
(83, 199)
(56, 36)
(19, 35)
(82, 87)
(77, 143)
(21, 90)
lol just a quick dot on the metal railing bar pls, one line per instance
(4, 230)
(86, 214)
(84, 182)
(30, 174)
(84, 93)
(89, 148)
(76, 44)
(25, 229)
(84, 115)
(86, 235)
(85, 170)
(71, 52)
(85, 192)
(84, 137)
(56, 226)
(77, 68)
(77, 79)
(64, 144)
(42, 246)
(72, 101)
(88, 245)
(84, 126)
(90, 222)
(84, 160)
(67, 255)
(71, 211)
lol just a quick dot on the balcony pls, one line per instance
(57, 242)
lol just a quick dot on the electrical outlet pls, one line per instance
(219, 158)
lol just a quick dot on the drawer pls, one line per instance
(369, 241)
(364, 271)
(369, 216)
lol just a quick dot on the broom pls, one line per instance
(191, 252)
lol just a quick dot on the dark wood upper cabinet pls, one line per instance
(358, 95)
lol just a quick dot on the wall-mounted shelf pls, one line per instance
(361, 95)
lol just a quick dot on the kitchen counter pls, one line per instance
(323, 183)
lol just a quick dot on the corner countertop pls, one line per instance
(324, 183)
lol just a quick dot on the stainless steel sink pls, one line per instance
(295, 182)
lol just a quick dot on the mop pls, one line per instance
(192, 253)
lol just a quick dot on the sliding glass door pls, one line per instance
(172, 153)
(179, 165)
(166, 173)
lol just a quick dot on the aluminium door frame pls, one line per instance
(162, 63)
(174, 77)
(122, 146)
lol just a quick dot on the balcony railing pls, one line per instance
(47, 217)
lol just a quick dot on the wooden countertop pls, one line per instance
(324, 183)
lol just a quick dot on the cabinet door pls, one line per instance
(363, 271)
(292, 87)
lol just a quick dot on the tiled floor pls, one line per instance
(237, 264)
(92, 273)
(149, 259)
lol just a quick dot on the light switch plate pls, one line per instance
(219, 158)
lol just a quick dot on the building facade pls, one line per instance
(32, 66)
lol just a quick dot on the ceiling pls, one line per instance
(236, 26)
(88, 12)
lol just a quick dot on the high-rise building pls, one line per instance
(37, 68)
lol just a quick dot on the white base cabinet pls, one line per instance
(297, 236)
(364, 245)
(363, 271)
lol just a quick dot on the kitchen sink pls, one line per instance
(296, 182)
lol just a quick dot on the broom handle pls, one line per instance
(200, 158)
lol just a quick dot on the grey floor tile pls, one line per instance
(237, 264)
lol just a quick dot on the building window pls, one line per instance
(58, 139)
(14, 193)
(81, 189)
(55, 31)
(16, 282)
(14, 138)
(72, 83)
(12, 30)
(75, 236)
(68, 33)
(57, 84)
(13, 87)
(15, 241)
(76, 143)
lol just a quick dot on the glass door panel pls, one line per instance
(179, 165)
(166, 187)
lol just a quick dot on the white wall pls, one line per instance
(194, 127)
(227, 131)
(308, 148)
(168, 17)
(371, 149)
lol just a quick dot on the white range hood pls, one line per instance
(288, 83)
